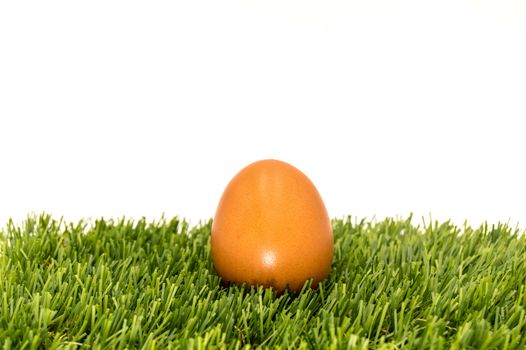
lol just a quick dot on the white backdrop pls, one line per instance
(111, 108)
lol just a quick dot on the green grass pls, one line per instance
(393, 285)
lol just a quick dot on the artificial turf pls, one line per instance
(151, 285)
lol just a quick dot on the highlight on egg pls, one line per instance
(271, 228)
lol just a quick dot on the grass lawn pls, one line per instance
(135, 284)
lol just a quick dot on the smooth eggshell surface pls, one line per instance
(271, 228)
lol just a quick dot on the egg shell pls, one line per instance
(271, 228)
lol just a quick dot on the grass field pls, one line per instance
(126, 285)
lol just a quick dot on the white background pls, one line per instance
(142, 108)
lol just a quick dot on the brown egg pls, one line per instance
(271, 228)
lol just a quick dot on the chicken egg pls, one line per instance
(271, 228)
